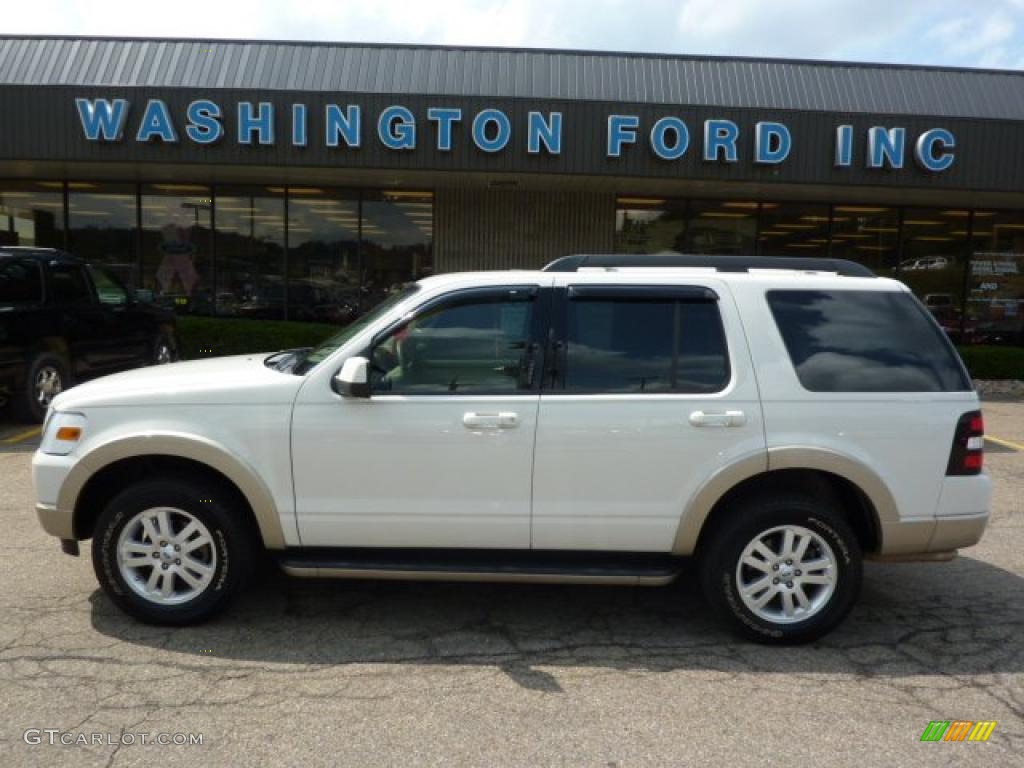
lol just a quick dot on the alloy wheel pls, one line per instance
(164, 354)
(786, 574)
(166, 555)
(47, 385)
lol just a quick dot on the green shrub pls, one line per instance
(216, 336)
(990, 362)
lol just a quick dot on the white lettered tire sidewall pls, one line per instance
(208, 503)
(719, 565)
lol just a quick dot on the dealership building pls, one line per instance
(305, 181)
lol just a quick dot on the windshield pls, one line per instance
(21, 281)
(325, 349)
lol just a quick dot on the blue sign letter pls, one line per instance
(720, 135)
(396, 128)
(925, 149)
(262, 122)
(772, 143)
(548, 131)
(102, 119)
(680, 143)
(299, 125)
(503, 130)
(204, 122)
(445, 119)
(885, 147)
(156, 122)
(844, 146)
(621, 130)
(344, 124)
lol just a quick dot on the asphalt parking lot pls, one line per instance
(366, 674)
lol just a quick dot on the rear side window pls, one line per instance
(644, 345)
(69, 285)
(865, 341)
(21, 281)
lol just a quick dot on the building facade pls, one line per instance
(306, 181)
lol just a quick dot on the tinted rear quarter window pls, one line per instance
(865, 341)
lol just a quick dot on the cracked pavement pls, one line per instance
(386, 673)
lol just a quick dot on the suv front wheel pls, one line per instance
(783, 569)
(172, 550)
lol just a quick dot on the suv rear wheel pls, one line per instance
(172, 550)
(783, 569)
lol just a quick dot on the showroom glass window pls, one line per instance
(32, 213)
(478, 345)
(995, 301)
(397, 244)
(102, 226)
(250, 253)
(177, 247)
(793, 229)
(868, 234)
(722, 227)
(932, 261)
(650, 225)
(323, 255)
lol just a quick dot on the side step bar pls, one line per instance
(530, 566)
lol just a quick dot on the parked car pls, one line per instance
(928, 262)
(596, 422)
(64, 321)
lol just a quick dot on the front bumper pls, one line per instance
(48, 476)
(55, 522)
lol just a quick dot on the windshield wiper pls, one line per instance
(286, 359)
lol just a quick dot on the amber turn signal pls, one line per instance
(69, 434)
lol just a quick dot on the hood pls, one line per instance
(241, 379)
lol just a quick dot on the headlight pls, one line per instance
(62, 432)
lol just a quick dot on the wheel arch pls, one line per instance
(53, 345)
(855, 488)
(105, 469)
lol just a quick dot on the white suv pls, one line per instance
(595, 422)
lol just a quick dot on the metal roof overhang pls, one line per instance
(271, 175)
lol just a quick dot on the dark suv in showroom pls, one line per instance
(63, 321)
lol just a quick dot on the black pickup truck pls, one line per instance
(62, 321)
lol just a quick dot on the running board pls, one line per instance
(527, 566)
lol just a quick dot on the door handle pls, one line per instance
(718, 419)
(502, 420)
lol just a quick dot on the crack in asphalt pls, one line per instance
(922, 639)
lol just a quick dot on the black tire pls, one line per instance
(27, 404)
(234, 542)
(163, 349)
(747, 519)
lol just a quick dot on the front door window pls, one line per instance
(471, 347)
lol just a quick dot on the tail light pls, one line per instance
(967, 453)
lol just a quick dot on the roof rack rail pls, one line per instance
(721, 263)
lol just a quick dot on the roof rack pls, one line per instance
(576, 262)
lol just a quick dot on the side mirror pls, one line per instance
(353, 380)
